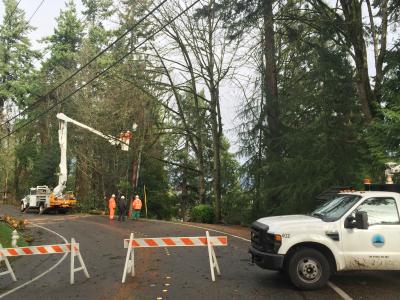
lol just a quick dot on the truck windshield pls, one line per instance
(334, 209)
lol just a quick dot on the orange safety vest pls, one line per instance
(137, 204)
(111, 203)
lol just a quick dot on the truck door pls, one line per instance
(378, 247)
(32, 198)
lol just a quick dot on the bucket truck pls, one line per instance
(41, 197)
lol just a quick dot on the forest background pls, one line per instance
(309, 115)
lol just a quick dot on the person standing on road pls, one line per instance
(111, 206)
(137, 206)
(121, 209)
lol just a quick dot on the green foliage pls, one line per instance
(66, 40)
(124, 187)
(202, 213)
(321, 130)
(161, 205)
(383, 136)
(236, 207)
(16, 56)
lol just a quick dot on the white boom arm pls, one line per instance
(62, 139)
(391, 169)
(62, 177)
(112, 140)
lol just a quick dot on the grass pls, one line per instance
(5, 236)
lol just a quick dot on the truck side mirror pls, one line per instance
(361, 220)
(350, 222)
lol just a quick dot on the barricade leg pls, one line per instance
(8, 266)
(212, 258)
(75, 251)
(130, 260)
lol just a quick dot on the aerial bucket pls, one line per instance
(125, 137)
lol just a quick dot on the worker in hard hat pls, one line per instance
(136, 206)
(111, 206)
(121, 208)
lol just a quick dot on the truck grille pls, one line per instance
(261, 239)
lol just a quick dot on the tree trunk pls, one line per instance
(184, 187)
(216, 156)
(270, 79)
(354, 27)
(216, 124)
(202, 175)
(380, 57)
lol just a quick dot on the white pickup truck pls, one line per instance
(352, 231)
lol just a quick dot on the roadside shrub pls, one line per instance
(202, 213)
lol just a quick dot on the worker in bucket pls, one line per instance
(111, 206)
(136, 206)
(122, 208)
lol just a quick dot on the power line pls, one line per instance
(41, 98)
(36, 10)
(99, 74)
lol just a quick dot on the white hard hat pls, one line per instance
(122, 197)
(137, 196)
(113, 195)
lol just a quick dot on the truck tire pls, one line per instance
(41, 209)
(308, 269)
(22, 207)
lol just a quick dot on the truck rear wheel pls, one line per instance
(308, 269)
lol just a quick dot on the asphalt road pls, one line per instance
(162, 273)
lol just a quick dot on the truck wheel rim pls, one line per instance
(309, 270)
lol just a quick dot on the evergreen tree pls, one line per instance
(16, 56)
(16, 82)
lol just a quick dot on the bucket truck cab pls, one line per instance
(352, 231)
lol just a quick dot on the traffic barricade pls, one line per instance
(201, 241)
(72, 248)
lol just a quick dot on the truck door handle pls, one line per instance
(334, 235)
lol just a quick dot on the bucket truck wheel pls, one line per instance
(23, 207)
(308, 269)
(41, 209)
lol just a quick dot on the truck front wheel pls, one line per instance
(23, 207)
(41, 209)
(308, 269)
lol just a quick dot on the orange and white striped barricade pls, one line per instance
(72, 248)
(201, 241)
(7, 263)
